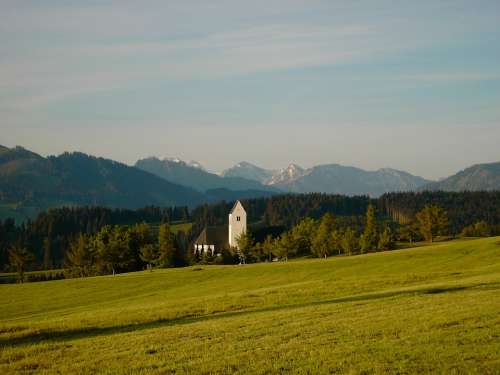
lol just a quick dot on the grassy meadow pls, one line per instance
(429, 309)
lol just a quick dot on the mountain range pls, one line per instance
(30, 183)
(195, 176)
(477, 177)
(76, 178)
(330, 178)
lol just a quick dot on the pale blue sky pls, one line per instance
(413, 85)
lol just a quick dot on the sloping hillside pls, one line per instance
(475, 178)
(250, 172)
(28, 179)
(338, 179)
(182, 173)
(427, 310)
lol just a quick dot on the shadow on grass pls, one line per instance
(73, 334)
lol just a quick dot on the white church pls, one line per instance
(212, 240)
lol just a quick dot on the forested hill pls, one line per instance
(30, 184)
(180, 172)
(339, 179)
(475, 178)
(28, 179)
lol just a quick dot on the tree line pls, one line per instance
(52, 234)
(330, 236)
(114, 249)
(463, 208)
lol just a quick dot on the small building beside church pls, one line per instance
(213, 240)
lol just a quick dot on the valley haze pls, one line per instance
(31, 183)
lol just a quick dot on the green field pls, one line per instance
(431, 309)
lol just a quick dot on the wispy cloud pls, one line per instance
(312, 63)
(445, 77)
(53, 73)
(56, 50)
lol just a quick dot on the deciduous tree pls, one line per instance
(149, 254)
(409, 232)
(80, 258)
(268, 247)
(322, 243)
(349, 242)
(433, 222)
(303, 235)
(19, 259)
(245, 245)
(385, 241)
(285, 246)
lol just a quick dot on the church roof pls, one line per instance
(218, 236)
(235, 205)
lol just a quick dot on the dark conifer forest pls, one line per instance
(50, 236)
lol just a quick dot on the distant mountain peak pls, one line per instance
(248, 171)
(245, 164)
(192, 174)
(172, 159)
(477, 177)
(176, 160)
(195, 164)
(290, 173)
(339, 179)
(392, 171)
(75, 178)
(292, 167)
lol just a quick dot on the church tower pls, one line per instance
(237, 223)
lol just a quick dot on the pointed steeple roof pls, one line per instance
(236, 205)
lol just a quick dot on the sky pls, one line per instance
(412, 85)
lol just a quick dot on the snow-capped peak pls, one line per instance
(195, 164)
(191, 163)
(294, 169)
(174, 160)
(291, 172)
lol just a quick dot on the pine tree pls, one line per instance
(336, 240)
(149, 254)
(47, 253)
(409, 232)
(369, 239)
(433, 222)
(478, 229)
(303, 235)
(20, 258)
(268, 246)
(166, 246)
(385, 241)
(285, 246)
(245, 245)
(322, 243)
(182, 254)
(349, 242)
(114, 249)
(80, 258)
